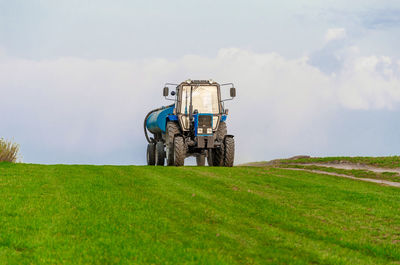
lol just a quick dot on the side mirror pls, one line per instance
(173, 93)
(233, 92)
(226, 111)
(165, 91)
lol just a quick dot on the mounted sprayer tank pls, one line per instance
(195, 125)
(156, 121)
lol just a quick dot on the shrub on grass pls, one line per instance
(8, 151)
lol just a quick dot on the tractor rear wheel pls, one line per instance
(151, 154)
(160, 154)
(179, 151)
(201, 160)
(229, 156)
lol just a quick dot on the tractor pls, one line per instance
(195, 125)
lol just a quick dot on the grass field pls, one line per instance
(63, 214)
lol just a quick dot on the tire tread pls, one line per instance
(229, 156)
(171, 130)
(150, 155)
(179, 151)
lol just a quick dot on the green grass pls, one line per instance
(358, 173)
(63, 214)
(387, 161)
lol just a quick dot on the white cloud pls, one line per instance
(91, 111)
(335, 34)
(370, 82)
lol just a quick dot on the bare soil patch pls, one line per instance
(350, 166)
(379, 181)
(341, 165)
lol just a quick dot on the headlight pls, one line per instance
(215, 122)
(209, 131)
(199, 130)
(185, 122)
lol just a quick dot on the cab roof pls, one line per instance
(205, 82)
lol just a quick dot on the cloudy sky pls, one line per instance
(313, 77)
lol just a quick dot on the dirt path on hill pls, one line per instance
(379, 181)
(350, 166)
(341, 165)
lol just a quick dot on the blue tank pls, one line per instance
(157, 120)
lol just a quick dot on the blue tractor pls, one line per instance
(195, 125)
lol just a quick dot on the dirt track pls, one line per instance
(350, 166)
(346, 166)
(379, 181)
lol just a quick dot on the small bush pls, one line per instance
(8, 151)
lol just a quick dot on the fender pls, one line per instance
(172, 117)
(228, 135)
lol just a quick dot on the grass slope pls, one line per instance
(142, 215)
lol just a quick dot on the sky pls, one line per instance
(319, 78)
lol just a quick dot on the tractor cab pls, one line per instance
(199, 106)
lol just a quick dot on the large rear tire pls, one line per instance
(201, 160)
(160, 154)
(179, 151)
(151, 154)
(229, 156)
(172, 130)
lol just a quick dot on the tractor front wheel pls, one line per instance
(179, 151)
(210, 158)
(219, 152)
(169, 150)
(218, 156)
(229, 156)
(201, 160)
(172, 130)
(151, 154)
